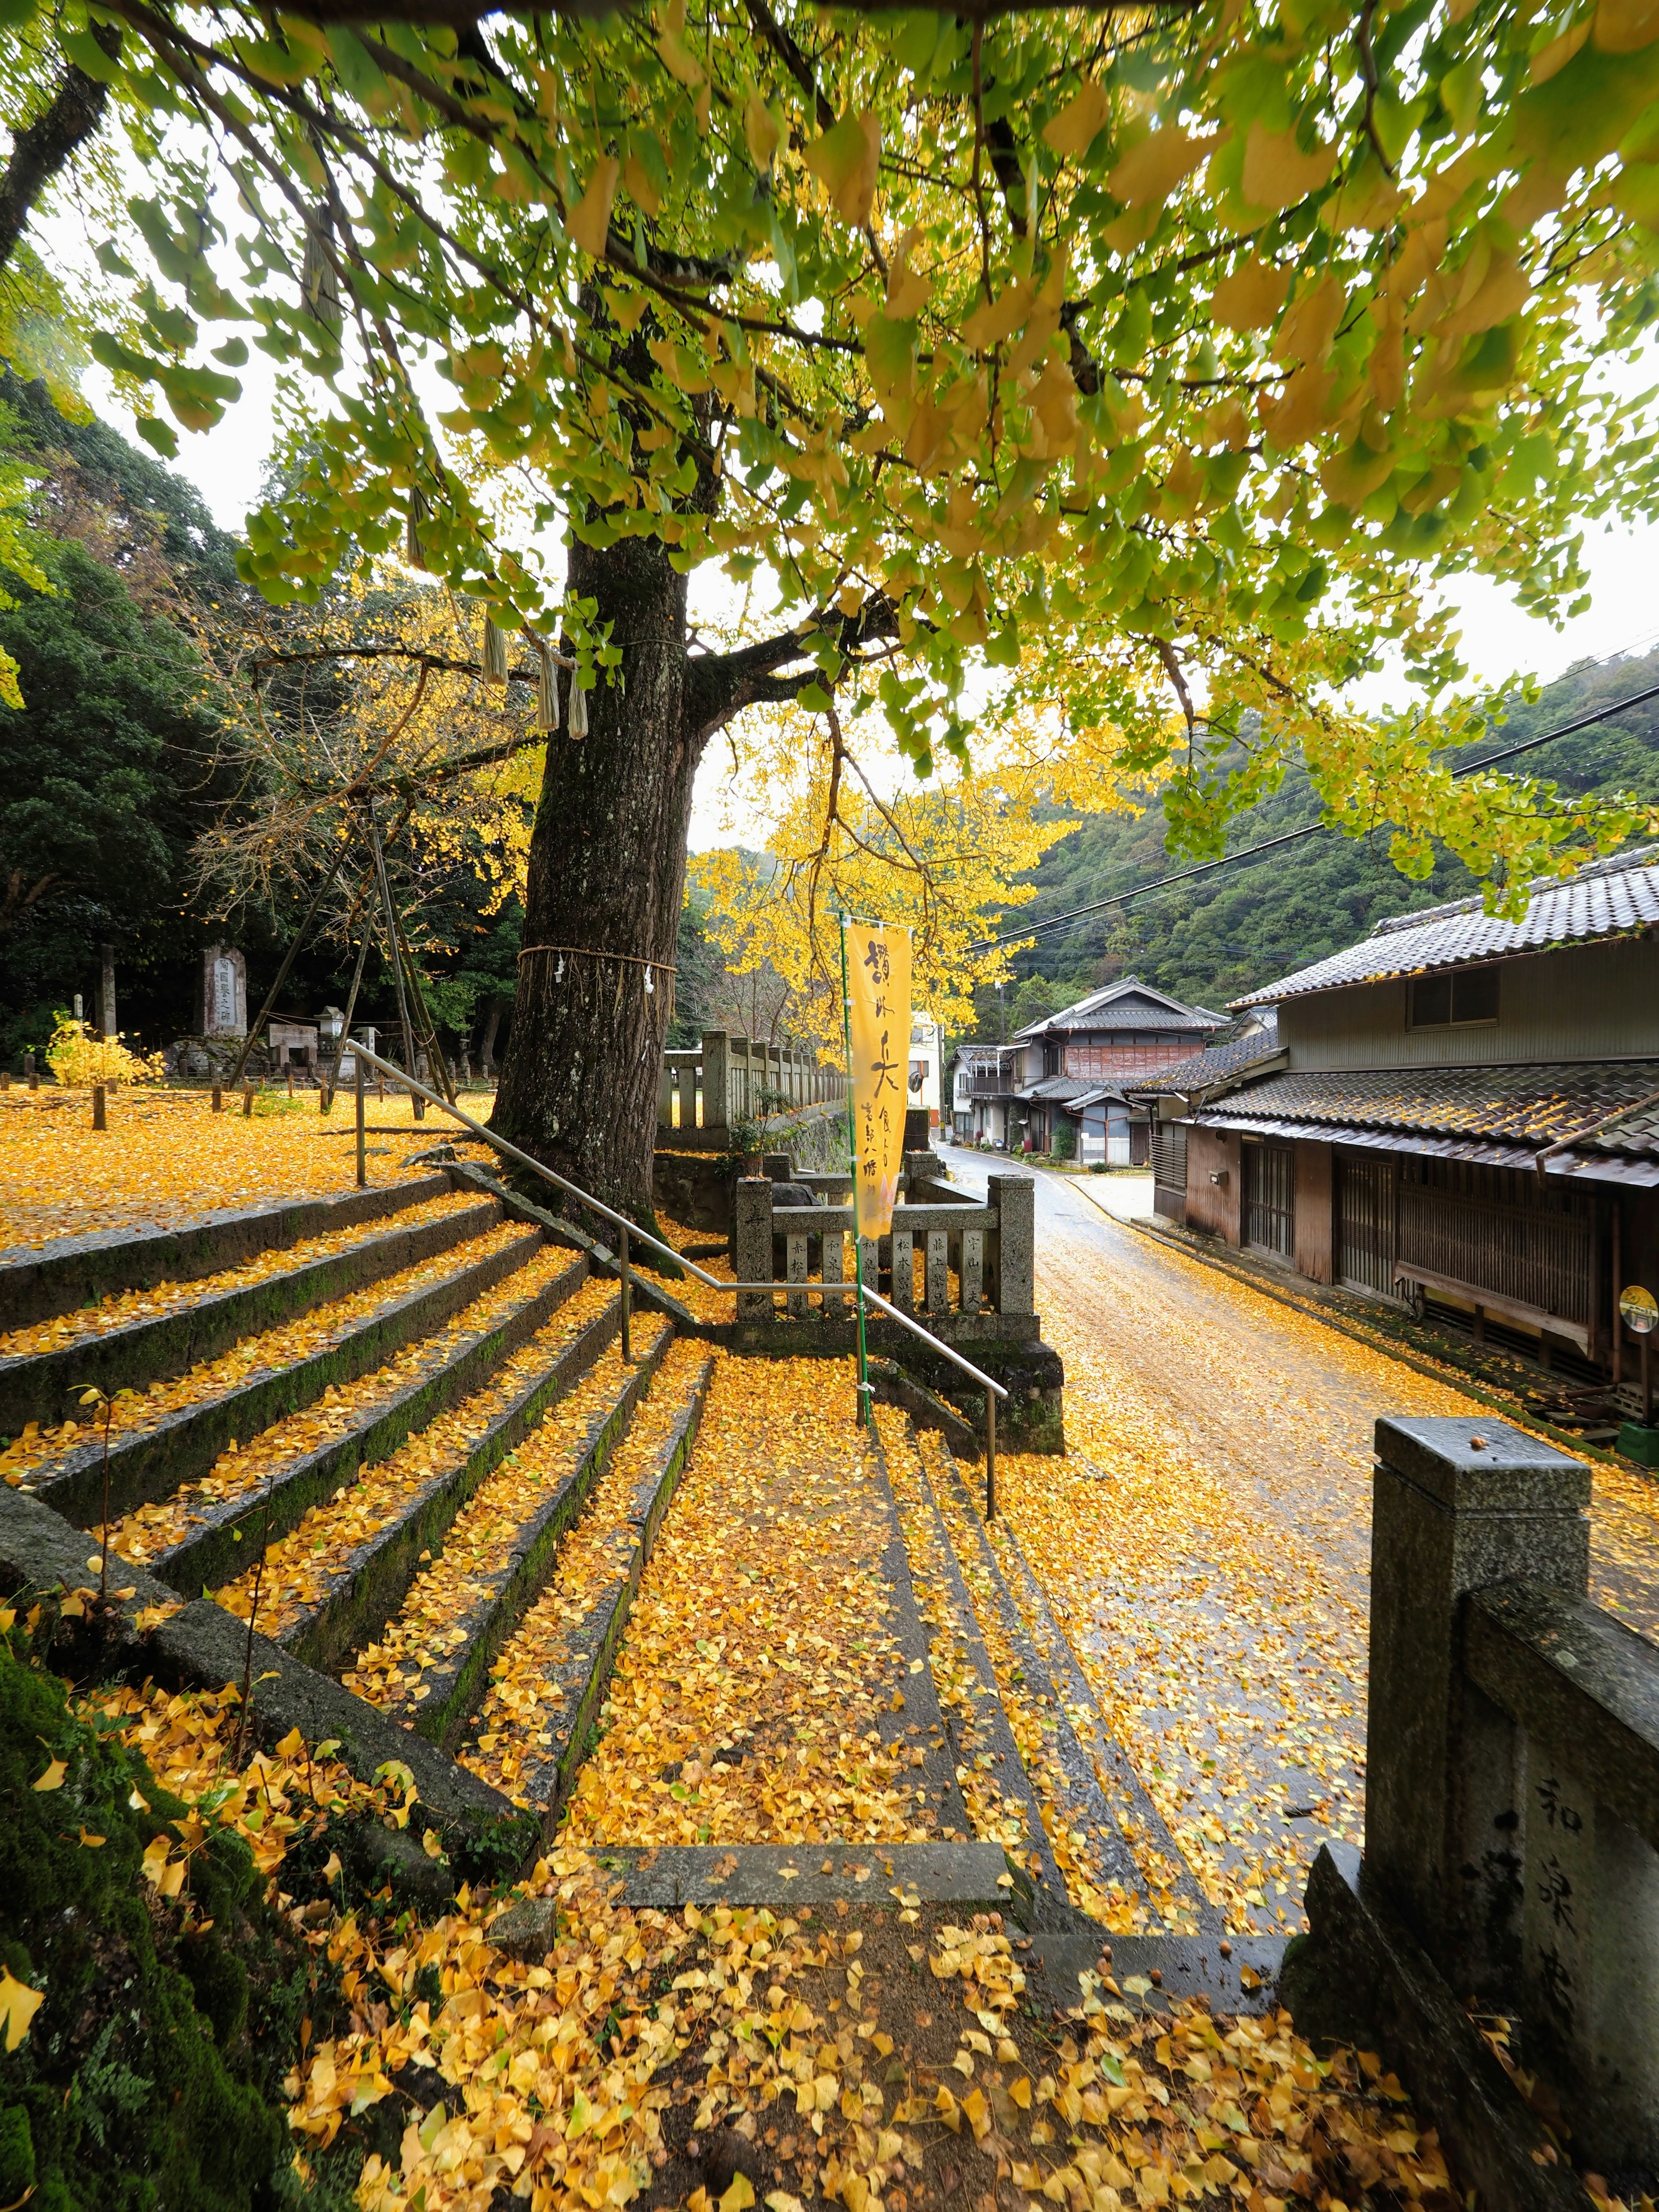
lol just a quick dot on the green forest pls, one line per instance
(1210, 940)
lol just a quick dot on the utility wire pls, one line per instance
(1293, 837)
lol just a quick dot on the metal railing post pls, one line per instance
(627, 1302)
(362, 1157)
(990, 1457)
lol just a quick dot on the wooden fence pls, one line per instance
(726, 1079)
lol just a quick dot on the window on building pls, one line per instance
(1451, 1000)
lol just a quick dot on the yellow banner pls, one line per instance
(879, 1018)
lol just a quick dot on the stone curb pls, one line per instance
(1096, 1808)
(921, 1720)
(204, 1648)
(558, 1230)
(368, 1590)
(34, 1386)
(210, 1555)
(78, 1271)
(594, 1643)
(1186, 1966)
(1361, 1975)
(893, 1387)
(972, 1876)
(989, 1728)
(443, 1716)
(150, 1464)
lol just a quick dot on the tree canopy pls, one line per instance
(1160, 361)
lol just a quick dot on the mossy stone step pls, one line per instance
(150, 1464)
(594, 1643)
(457, 1684)
(371, 1586)
(39, 1386)
(215, 1550)
(78, 1271)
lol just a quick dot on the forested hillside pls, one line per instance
(1226, 933)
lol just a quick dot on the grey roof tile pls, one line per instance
(1529, 1105)
(1614, 899)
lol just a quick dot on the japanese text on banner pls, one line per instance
(879, 1019)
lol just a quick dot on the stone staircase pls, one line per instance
(396, 1434)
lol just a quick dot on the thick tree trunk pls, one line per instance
(602, 904)
(51, 141)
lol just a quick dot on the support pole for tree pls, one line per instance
(362, 1155)
(408, 1035)
(853, 1162)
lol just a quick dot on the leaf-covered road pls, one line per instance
(1215, 1583)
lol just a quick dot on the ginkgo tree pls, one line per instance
(1158, 357)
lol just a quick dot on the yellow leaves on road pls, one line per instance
(123, 1308)
(746, 1699)
(302, 1568)
(166, 1157)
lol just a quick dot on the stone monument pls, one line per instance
(224, 993)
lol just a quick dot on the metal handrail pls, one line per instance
(628, 1230)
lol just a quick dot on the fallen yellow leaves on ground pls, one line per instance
(29, 1457)
(514, 1727)
(746, 1699)
(123, 1308)
(302, 1568)
(435, 1621)
(166, 1157)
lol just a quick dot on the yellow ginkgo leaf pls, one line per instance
(589, 220)
(1149, 172)
(847, 160)
(1624, 27)
(1074, 130)
(640, 189)
(18, 2005)
(90, 1841)
(53, 1777)
(678, 60)
(1277, 172)
(761, 133)
(1250, 298)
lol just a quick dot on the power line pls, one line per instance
(1294, 837)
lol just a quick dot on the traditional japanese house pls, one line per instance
(1459, 1112)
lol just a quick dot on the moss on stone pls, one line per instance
(149, 2077)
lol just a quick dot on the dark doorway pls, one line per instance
(1365, 1238)
(1270, 1198)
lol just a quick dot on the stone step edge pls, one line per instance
(993, 1722)
(458, 1689)
(647, 1291)
(74, 1271)
(1099, 1815)
(372, 1584)
(202, 1647)
(211, 1555)
(972, 1876)
(150, 1464)
(34, 1386)
(595, 1642)
(915, 1642)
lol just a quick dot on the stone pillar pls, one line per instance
(1456, 1505)
(716, 1079)
(665, 1094)
(107, 990)
(224, 993)
(754, 1245)
(1015, 1200)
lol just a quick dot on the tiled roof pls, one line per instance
(1218, 1065)
(1057, 1089)
(1130, 1005)
(1532, 1105)
(1614, 898)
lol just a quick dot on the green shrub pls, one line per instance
(1062, 1145)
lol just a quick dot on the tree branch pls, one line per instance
(49, 143)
